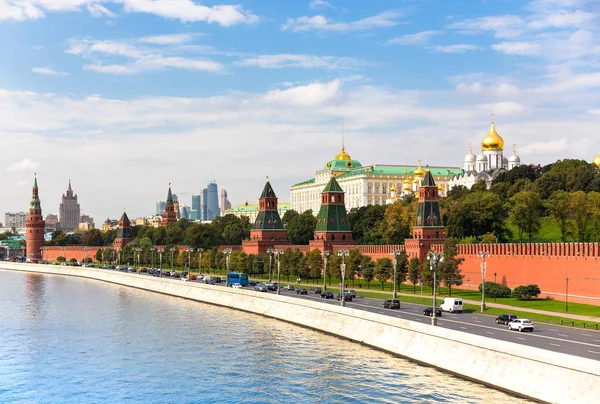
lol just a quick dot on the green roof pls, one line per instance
(268, 220)
(268, 191)
(342, 165)
(307, 182)
(333, 218)
(253, 207)
(333, 186)
(428, 181)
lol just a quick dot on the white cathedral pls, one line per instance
(488, 164)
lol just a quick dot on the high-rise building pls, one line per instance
(185, 212)
(51, 221)
(224, 203)
(69, 212)
(160, 207)
(16, 220)
(195, 212)
(210, 202)
(35, 226)
(176, 206)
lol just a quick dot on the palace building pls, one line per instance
(488, 164)
(376, 184)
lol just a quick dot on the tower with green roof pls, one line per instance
(428, 228)
(333, 227)
(169, 216)
(267, 230)
(34, 226)
(124, 233)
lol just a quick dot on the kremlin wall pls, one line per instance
(559, 269)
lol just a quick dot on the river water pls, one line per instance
(70, 340)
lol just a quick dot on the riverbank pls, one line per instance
(531, 372)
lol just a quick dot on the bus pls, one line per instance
(237, 277)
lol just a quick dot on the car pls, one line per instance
(327, 295)
(184, 278)
(316, 290)
(302, 291)
(391, 304)
(347, 297)
(236, 285)
(216, 279)
(193, 278)
(521, 324)
(272, 286)
(288, 287)
(261, 287)
(505, 318)
(352, 293)
(429, 312)
(253, 283)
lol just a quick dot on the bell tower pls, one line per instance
(34, 226)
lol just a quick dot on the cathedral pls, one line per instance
(487, 164)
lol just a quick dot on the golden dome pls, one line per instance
(440, 187)
(406, 185)
(343, 155)
(596, 161)
(419, 172)
(415, 181)
(392, 188)
(493, 141)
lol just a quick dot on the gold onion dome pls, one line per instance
(419, 172)
(415, 181)
(392, 188)
(343, 155)
(440, 187)
(493, 141)
(596, 160)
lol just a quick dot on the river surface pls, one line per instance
(71, 340)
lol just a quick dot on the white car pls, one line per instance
(521, 324)
(236, 285)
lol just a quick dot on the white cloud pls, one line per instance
(167, 39)
(418, 38)
(25, 164)
(316, 4)
(456, 48)
(182, 10)
(594, 111)
(575, 19)
(300, 61)
(308, 95)
(138, 58)
(558, 146)
(518, 48)
(321, 23)
(507, 108)
(506, 26)
(48, 71)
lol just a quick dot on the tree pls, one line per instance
(414, 273)
(525, 213)
(314, 261)
(558, 207)
(580, 212)
(524, 171)
(449, 271)
(526, 292)
(401, 268)
(230, 229)
(287, 216)
(396, 225)
(367, 270)
(60, 259)
(365, 223)
(383, 268)
(301, 228)
(93, 237)
(476, 214)
(59, 238)
(353, 264)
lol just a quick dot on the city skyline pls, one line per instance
(119, 97)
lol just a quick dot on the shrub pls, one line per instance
(87, 261)
(73, 260)
(496, 290)
(61, 259)
(526, 292)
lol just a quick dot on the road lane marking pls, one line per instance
(489, 332)
(464, 328)
(552, 329)
(521, 338)
(586, 335)
(596, 340)
(562, 335)
(477, 321)
(594, 352)
(554, 344)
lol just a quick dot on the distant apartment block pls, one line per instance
(16, 220)
(51, 221)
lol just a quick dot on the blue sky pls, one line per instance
(124, 96)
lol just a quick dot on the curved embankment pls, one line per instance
(536, 373)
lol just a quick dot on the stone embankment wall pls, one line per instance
(537, 373)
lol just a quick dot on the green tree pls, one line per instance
(301, 228)
(524, 213)
(414, 272)
(367, 270)
(93, 237)
(287, 216)
(558, 207)
(365, 222)
(580, 212)
(449, 270)
(383, 268)
(353, 263)
(396, 225)
(314, 259)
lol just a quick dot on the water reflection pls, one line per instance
(35, 285)
(108, 343)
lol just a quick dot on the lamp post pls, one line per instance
(85, 254)
(190, 251)
(278, 254)
(227, 253)
(434, 258)
(395, 253)
(359, 273)
(483, 255)
(173, 249)
(160, 260)
(200, 260)
(138, 250)
(325, 255)
(270, 251)
(102, 255)
(42, 254)
(494, 286)
(343, 254)
(152, 257)
(567, 295)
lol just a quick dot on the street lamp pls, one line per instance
(152, 257)
(102, 255)
(567, 295)
(325, 255)
(495, 286)
(227, 253)
(395, 253)
(483, 255)
(173, 249)
(343, 254)
(42, 254)
(138, 250)
(435, 258)
(160, 260)
(190, 251)
(278, 254)
(200, 260)
(270, 251)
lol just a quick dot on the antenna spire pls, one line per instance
(492, 115)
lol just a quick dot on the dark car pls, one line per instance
(253, 283)
(505, 318)
(391, 304)
(429, 312)
(315, 290)
(347, 297)
(327, 295)
(272, 286)
(302, 291)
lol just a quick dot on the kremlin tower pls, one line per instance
(34, 227)
(124, 234)
(170, 216)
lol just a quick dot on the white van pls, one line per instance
(452, 304)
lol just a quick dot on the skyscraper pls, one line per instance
(160, 207)
(69, 212)
(224, 203)
(195, 212)
(210, 202)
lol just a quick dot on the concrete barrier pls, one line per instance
(532, 372)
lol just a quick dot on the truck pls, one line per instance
(452, 304)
